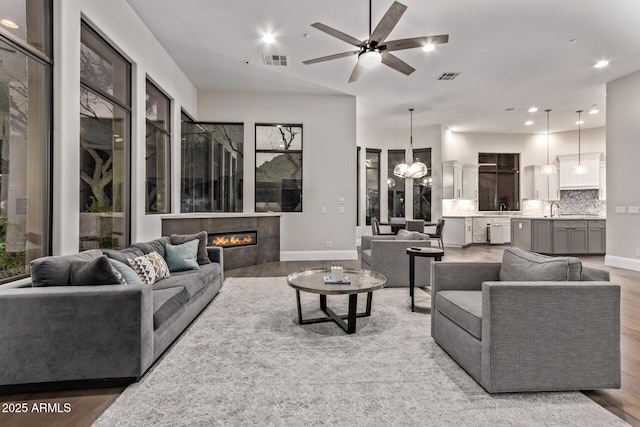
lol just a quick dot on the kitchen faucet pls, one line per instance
(551, 209)
(502, 207)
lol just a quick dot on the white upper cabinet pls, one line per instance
(570, 180)
(602, 194)
(459, 182)
(538, 186)
(470, 182)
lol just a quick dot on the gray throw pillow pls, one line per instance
(156, 245)
(123, 255)
(130, 276)
(519, 265)
(54, 270)
(407, 235)
(203, 257)
(182, 257)
(94, 272)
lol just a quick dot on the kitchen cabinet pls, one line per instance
(597, 236)
(570, 237)
(451, 180)
(521, 233)
(539, 186)
(541, 236)
(506, 229)
(569, 180)
(602, 192)
(470, 182)
(459, 182)
(458, 231)
(560, 236)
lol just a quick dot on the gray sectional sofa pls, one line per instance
(530, 323)
(103, 334)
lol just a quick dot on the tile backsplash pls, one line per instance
(572, 202)
(581, 202)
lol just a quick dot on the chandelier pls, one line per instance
(416, 170)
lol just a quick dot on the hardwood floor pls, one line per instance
(87, 405)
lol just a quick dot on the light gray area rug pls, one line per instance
(246, 361)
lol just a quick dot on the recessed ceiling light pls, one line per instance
(509, 109)
(594, 111)
(601, 64)
(528, 123)
(580, 122)
(306, 35)
(268, 38)
(9, 24)
(428, 47)
(533, 109)
(572, 41)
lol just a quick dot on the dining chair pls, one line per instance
(415, 225)
(438, 233)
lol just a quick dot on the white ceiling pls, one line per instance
(510, 53)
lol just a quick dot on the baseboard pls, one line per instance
(621, 262)
(66, 385)
(318, 255)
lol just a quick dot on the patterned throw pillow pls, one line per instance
(150, 267)
(119, 275)
(144, 268)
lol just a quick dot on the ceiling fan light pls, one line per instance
(401, 170)
(417, 170)
(428, 47)
(370, 58)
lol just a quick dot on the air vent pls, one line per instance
(275, 60)
(448, 76)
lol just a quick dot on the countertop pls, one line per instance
(563, 217)
(196, 215)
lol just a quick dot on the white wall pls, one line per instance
(623, 174)
(119, 24)
(329, 164)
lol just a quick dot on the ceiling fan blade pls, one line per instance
(330, 57)
(415, 42)
(355, 74)
(388, 22)
(337, 34)
(397, 63)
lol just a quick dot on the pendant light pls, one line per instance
(580, 169)
(549, 168)
(417, 169)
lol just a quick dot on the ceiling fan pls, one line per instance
(375, 49)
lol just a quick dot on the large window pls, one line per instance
(395, 185)
(498, 182)
(278, 168)
(25, 135)
(158, 143)
(372, 171)
(105, 123)
(212, 166)
(422, 187)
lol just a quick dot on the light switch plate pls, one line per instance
(621, 210)
(341, 200)
(634, 210)
(341, 209)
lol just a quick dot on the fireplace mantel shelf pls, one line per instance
(198, 215)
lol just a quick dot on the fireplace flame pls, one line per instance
(232, 240)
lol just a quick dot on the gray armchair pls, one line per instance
(532, 335)
(388, 256)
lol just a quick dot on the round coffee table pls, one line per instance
(312, 281)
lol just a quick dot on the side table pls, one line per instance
(433, 254)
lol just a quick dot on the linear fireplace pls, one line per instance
(233, 239)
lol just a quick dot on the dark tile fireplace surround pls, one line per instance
(247, 240)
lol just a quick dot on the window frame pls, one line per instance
(127, 162)
(167, 150)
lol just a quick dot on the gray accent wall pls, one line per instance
(623, 173)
